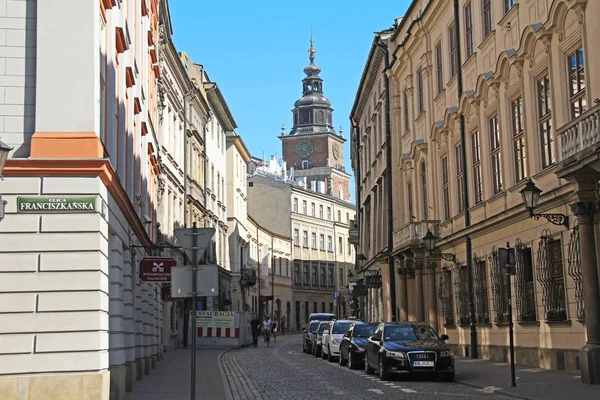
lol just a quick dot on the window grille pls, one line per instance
(460, 289)
(500, 289)
(525, 285)
(480, 291)
(575, 270)
(549, 270)
(445, 295)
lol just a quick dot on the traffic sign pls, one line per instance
(185, 237)
(207, 281)
(336, 295)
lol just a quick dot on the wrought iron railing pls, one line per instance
(461, 292)
(574, 262)
(413, 233)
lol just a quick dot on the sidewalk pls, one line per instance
(171, 378)
(532, 383)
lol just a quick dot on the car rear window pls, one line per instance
(322, 328)
(341, 327)
(363, 331)
(313, 326)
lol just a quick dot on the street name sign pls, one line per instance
(207, 281)
(156, 269)
(56, 204)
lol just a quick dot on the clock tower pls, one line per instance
(312, 148)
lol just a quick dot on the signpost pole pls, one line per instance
(272, 288)
(194, 291)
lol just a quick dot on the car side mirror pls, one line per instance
(375, 339)
(444, 337)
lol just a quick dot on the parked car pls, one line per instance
(352, 348)
(332, 337)
(404, 347)
(317, 343)
(307, 336)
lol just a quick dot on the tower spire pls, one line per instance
(312, 50)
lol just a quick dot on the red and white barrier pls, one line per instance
(219, 332)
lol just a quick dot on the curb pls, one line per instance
(502, 392)
(225, 382)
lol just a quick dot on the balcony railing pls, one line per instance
(581, 133)
(411, 234)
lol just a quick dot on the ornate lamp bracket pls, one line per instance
(448, 257)
(556, 219)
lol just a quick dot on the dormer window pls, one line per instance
(304, 164)
(320, 117)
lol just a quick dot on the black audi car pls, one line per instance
(404, 347)
(352, 348)
(307, 335)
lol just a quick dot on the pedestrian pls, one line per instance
(254, 325)
(267, 329)
(274, 330)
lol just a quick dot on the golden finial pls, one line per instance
(312, 50)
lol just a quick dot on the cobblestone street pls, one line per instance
(282, 371)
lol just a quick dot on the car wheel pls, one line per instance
(323, 355)
(368, 369)
(342, 360)
(384, 374)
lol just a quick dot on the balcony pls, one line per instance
(411, 234)
(353, 232)
(580, 134)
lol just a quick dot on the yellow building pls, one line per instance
(478, 107)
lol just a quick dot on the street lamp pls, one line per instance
(430, 239)
(531, 197)
(4, 150)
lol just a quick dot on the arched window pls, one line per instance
(319, 117)
(423, 173)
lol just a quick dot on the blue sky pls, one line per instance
(256, 51)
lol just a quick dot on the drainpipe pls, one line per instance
(463, 140)
(357, 187)
(388, 178)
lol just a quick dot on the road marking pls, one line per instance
(378, 391)
(490, 389)
(408, 391)
(388, 384)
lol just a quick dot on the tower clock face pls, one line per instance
(336, 151)
(304, 148)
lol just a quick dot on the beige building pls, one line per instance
(270, 257)
(461, 157)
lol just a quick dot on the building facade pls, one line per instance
(81, 187)
(237, 215)
(463, 155)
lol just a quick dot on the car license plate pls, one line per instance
(422, 363)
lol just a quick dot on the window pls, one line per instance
(405, 101)
(445, 187)
(545, 120)
(480, 290)
(501, 289)
(321, 242)
(304, 207)
(423, 174)
(460, 183)
(295, 204)
(525, 285)
(469, 44)
(306, 277)
(319, 117)
(446, 295)
(410, 201)
(304, 238)
(296, 237)
(348, 218)
(329, 243)
(476, 155)
(330, 280)
(550, 275)
(329, 213)
(313, 240)
(304, 164)
(508, 5)
(339, 215)
(494, 126)
(312, 209)
(439, 73)
(323, 277)
(453, 51)
(314, 276)
(576, 83)
(487, 17)
(297, 280)
(518, 131)
(340, 245)
(420, 106)
(340, 278)
(321, 211)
